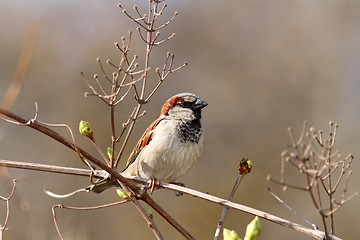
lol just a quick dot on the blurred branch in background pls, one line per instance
(22, 67)
(13, 92)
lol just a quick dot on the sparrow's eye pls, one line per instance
(186, 104)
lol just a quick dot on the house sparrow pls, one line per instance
(170, 145)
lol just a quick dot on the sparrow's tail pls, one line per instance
(102, 186)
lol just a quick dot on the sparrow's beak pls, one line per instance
(199, 104)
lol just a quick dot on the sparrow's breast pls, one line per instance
(174, 149)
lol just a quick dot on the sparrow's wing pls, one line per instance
(143, 142)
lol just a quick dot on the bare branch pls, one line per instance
(53, 169)
(285, 185)
(123, 96)
(319, 162)
(164, 40)
(141, 36)
(7, 201)
(168, 22)
(136, 20)
(226, 208)
(80, 208)
(136, 8)
(103, 71)
(292, 210)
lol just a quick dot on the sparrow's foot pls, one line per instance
(152, 184)
(178, 194)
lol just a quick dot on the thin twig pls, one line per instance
(79, 208)
(3, 227)
(226, 208)
(292, 210)
(103, 72)
(53, 169)
(146, 198)
(136, 20)
(168, 22)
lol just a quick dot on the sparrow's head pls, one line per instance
(183, 106)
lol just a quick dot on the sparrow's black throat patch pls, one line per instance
(189, 131)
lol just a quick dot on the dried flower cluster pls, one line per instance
(325, 171)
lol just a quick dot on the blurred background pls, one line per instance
(261, 65)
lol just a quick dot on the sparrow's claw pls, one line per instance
(178, 194)
(152, 184)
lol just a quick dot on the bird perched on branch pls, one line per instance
(171, 145)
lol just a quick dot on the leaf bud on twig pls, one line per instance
(122, 193)
(230, 235)
(86, 129)
(253, 229)
(245, 166)
(110, 153)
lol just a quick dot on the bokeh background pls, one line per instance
(261, 65)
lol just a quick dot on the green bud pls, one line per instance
(85, 128)
(109, 153)
(253, 229)
(150, 212)
(122, 193)
(230, 235)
